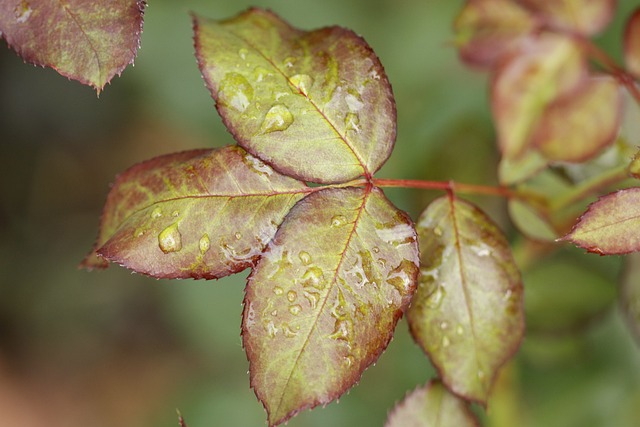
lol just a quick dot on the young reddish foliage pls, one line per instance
(315, 105)
(467, 314)
(432, 406)
(86, 40)
(585, 17)
(632, 43)
(322, 302)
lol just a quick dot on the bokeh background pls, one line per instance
(109, 348)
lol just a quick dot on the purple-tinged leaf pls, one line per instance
(432, 406)
(316, 105)
(632, 43)
(486, 29)
(586, 17)
(630, 293)
(580, 124)
(467, 313)
(611, 225)
(526, 81)
(322, 302)
(86, 40)
(200, 214)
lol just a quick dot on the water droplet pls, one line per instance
(243, 53)
(301, 83)
(238, 236)
(348, 360)
(481, 374)
(289, 61)
(274, 313)
(295, 309)
(204, 243)
(278, 290)
(305, 258)
(288, 332)
(343, 330)
(507, 295)
(338, 220)
(170, 239)
(374, 74)
(445, 341)
(354, 102)
(235, 91)
(444, 325)
(460, 330)
(22, 12)
(313, 277)
(175, 214)
(260, 73)
(292, 295)
(271, 329)
(139, 232)
(382, 262)
(257, 165)
(437, 231)
(312, 297)
(376, 249)
(434, 300)
(156, 213)
(352, 122)
(278, 118)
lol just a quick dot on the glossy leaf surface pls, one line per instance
(611, 225)
(632, 43)
(577, 126)
(200, 214)
(316, 105)
(86, 40)
(467, 313)
(322, 302)
(542, 69)
(486, 29)
(432, 406)
(586, 17)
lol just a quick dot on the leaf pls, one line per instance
(630, 293)
(486, 29)
(316, 105)
(86, 40)
(323, 301)
(632, 43)
(586, 17)
(611, 225)
(580, 124)
(200, 214)
(527, 165)
(526, 81)
(531, 221)
(432, 406)
(564, 295)
(467, 313)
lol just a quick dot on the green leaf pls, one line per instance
(632, 43)
(531, 221)
(467, 313)
(486, 29)
(542, 69)
(586, 17)
(316, 105)
(432, 406)
(563, 295)
(580, 124)
(525, 166)
(200, 214)
(630, 293)
(611, 225)
(323, 301)
(86, 40)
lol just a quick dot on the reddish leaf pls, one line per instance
(200, 214)
(611, 225)
(316, 105)
(86, 40)
(580, 124)
(486, 29)
(432, 406)
(322, 302)
(632, 43)
(467, 313)
(586, 17)
(524, 84)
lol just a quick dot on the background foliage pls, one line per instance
(114, 349)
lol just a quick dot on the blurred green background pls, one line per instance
(109, 348)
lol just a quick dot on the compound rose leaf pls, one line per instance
(86, 40)
(486, 29)
(611, 225)
(632, 43)
(526, 81)
(467, 313)
(580, 124)
(432, 406)
(316, 105)
(322, 302)
(201, 214)
(586, 17)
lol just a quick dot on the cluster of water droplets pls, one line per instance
(22, 12)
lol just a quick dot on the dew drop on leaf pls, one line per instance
(352, 122)
(434, 300)
(445, 341)
(338, 220)
(235, 91)
(170, 239)
(288, 332)
(295, 309)
(343, 330)
(278, 290)
(460, 330)
(23, 12)
(292, 295)
(354, 102)
(312, 297)
(156, 213)
(204, 243)
(301, 83)
(305, 258)
(238, 236)
(313, 277)
(260, 73)
(175, 214)
(289, 62)
(278, 118)
(242, 53)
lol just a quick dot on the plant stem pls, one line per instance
(589, 186)
(450, 186)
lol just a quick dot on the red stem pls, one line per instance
(448, 186)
